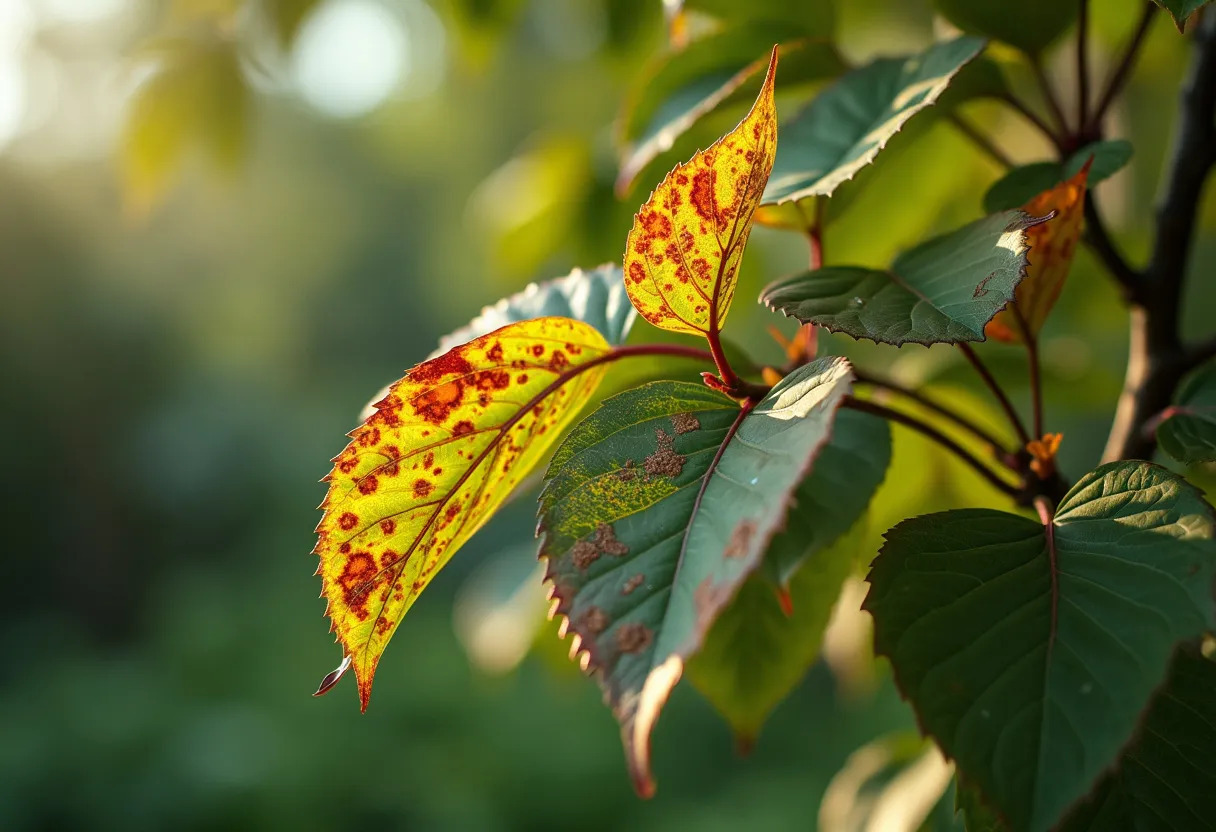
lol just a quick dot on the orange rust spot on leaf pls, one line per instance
(436, 404)
(388, 525)
(369, 484)
(348, 521)
(423, 488)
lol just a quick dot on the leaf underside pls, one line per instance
(845, 127)
(943, 291)
(650, 524)
(683, 252)
(1031, 662)
(443, 450)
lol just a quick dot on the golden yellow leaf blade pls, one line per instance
(1052, 246)
(682, 255)
(441, 453)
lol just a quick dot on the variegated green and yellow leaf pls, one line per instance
(682, 255)
(442, 451)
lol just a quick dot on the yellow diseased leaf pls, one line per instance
(1052, 245)
(683, 253)
(443, 450)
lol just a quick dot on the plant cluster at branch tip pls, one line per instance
(707, 529)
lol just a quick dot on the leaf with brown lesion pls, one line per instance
(442, 451)
(682, 255)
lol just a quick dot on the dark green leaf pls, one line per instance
(846, 126)
(943, 291)
(720, 69)
(847, 472)
(1167, 778)
(1181, 9)
(595, 297)
(1031, 662)
(978, 817)
(755, 653)
(1188, 433)
(1022, 184)
(1030, 25)
(650, 531)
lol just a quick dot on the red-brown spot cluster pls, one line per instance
(494, 353)
(383, 625)
(462, 427)
(348, 521)
(538, 350)
(655, 224)
(704, 196)
(388, 525)
(347, 465)
(423, 488)
(493, 380)
(428, 460)
(450, 363)
(369, 484)
(558, 361)
(369, 437)
(633, 638)
(388, 558)
(344, 549)
(437, 404)
(637, 272)
(355, 581)
(522, 378)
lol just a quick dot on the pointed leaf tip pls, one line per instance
(683, 252)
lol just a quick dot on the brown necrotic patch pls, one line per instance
(602, 542)
(633, 638)
(627, 472)
(436, 405)
(348, 521)
(633, 583)
(685, 423)
(664, 462)
(740, 539)
(423, 488)
(594, 621)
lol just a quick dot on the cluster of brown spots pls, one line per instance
(451, 363)
(462, 427)
(494, 353)
(594, 621)
(633, 638)
(685, 422)
(664, 462)
(558, 361)
(740, 539)
(423, 488)
(522, 378)
(387, 411)
(632, 584)
(493, 380)
(368, 437)
(436, 405)
(655, 224)
(383, 625)
(428, 460)
(704, 197)
(369, 484)
(348, 464)
(348, 521)
(344, 549)
(388, 525)
(628, 472)
(637, 272)
(602, 542)
(355, 581)
(388, 558)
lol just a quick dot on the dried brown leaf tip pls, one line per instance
(664, 462)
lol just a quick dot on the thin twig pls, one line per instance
(1030, 115)
(998, 447)
(980, 140)
(1036, 379)
(1082, 65)
(1123, 69)
(1049, 95)
(999, 393)
(867, 406)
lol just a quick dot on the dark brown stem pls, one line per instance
(1036, 379)
(1034, 119)
(1123, 69)
(1157, 357)
(676, 350)
(866, 406)
(998, 448)
(980, 140)
(999, 393)
(1083, 65)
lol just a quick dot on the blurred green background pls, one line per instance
(206, 274)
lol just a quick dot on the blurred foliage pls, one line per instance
(169, 385)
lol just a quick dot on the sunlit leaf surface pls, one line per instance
(443, 450)
(683, 253)
(655, 510)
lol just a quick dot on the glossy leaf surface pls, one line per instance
(943, 291)
(1031, 653)
(846, 126)
(1052, 246)
(682, 255)
(656, 509)
(1188, 433)
(443, 450)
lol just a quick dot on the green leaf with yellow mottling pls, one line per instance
(682, 255)
(443, 450)
(656, 509)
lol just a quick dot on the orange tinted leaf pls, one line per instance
(443, 450)
(683, 253)
(1052, 245)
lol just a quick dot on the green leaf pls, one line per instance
(1188, 432)
(1167, 778)
(1031, 25)
(1181, 9)
(1030, 656)
(1022, 184)
(943, 291)
(756, 653)
(978, 817)
(595, 297)
(713, 72)
(846, 126)
(847, 472)
(655, 510)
